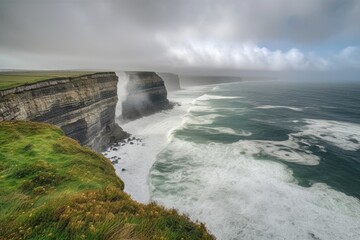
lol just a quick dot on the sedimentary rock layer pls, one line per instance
(146, 95)
(83, 107)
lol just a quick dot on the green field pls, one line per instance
(17, 78)
(53, 188)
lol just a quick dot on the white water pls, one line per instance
(285, 107)
(341, 134)
(206, 97)
(222, 185)
(121, 91)
(289, 150)
(239, 197)
(137, 159)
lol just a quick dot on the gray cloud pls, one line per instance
(145, 34)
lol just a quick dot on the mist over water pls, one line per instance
(254, 160)
(121, 92)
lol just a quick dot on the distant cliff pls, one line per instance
(83, 107)
(146, 94)
(172, 81)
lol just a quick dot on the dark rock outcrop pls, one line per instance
(83, 107)
(146, 95)
(172, 81)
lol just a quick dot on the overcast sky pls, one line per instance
(186, 34)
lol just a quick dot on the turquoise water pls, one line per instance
(339, 166)
(266, 160)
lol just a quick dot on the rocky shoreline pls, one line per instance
(115, 146)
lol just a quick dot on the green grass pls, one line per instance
(53, 188)
(15, 79)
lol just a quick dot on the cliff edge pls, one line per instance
(54, 188)
(83, 107)
(146, 94)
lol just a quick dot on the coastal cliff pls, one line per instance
(55, 188)
(146, 94)
(172, 81)
(83, 107)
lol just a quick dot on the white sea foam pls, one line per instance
(138, 158)
(203, 119)
(207, 97)
(289, 150)
(219, 130)
(206, 108)
(239, 197)
(285, 107)
(216, 88)
(295, 149)
(341, 134)
(155, 131)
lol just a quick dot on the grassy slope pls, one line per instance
(15, 79)
(53, 188)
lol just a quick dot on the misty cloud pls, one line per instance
(256, 34)
(252, 57)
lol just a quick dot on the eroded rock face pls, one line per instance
(83, 107)
(146, 95)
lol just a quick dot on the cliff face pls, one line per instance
(146, 95)
(83, 107)
(172, 81)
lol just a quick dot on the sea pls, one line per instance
(253, 159)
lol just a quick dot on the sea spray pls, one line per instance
(136, 159)
(121, 92)
(155, 131)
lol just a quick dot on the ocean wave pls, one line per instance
(205, 108)
(340, 134)
(239, 197)
(216, 88)
(155, 132)
(285, 107)
(289, 150)
(201, 109)
(224, 130)
(201, 120)
(207, 97)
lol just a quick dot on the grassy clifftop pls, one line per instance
(53, 188)
(19, 78)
